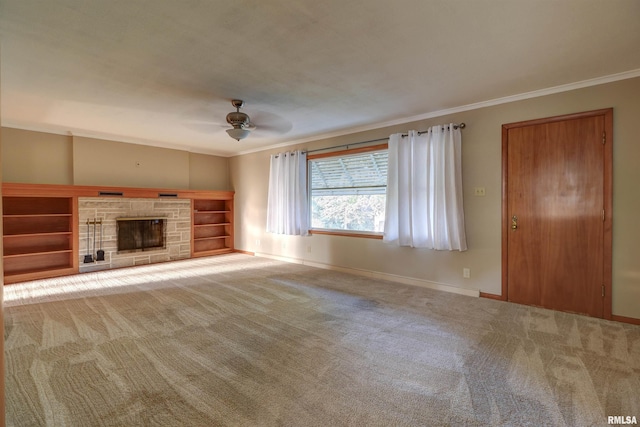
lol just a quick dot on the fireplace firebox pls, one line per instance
(140, 234)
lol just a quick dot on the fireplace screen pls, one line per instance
(140, 234)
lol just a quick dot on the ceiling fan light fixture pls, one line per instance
(238, 133)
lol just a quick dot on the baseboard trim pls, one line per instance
(244, 252)
(624, 319)
(378, 275)
(491, 296)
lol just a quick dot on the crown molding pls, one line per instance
(474, 106)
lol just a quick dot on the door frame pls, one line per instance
(607, 202)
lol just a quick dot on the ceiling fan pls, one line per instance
(262, 124)
(240, 121)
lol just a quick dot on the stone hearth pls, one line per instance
(178, 230)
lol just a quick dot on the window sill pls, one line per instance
(347, 233)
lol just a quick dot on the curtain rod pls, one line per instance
(455, 126)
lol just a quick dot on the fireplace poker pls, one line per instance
(88, 257)
(100, 253)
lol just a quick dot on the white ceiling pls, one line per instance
(163, 72)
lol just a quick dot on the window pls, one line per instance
(347, 191)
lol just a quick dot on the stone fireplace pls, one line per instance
(168, 221)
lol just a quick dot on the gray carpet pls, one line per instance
(242, 341)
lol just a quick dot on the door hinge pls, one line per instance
(602, 290)
(603, 214)
(604, 137)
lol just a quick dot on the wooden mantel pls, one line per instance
(56, 190)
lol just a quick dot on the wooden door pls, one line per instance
(557, 213)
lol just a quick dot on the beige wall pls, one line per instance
(205, 170)
(44, 158)
(481, 168)
(102, 162)
(36, 157)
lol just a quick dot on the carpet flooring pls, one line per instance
(236, 340)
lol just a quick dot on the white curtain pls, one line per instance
(287, 197)
(424, 190)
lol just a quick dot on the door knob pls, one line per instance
(514, 223)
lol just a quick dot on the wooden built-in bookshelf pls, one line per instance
(41, 230)
(38, 237)
(212, 226)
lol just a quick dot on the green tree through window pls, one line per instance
(348, 191)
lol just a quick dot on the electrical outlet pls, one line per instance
(308, 249)
(466, 273)
(257, 243)
(479, 191)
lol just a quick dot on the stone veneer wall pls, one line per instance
(178, 230)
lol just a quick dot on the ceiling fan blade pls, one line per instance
(204, 127)
(270, 123)
(203, 119)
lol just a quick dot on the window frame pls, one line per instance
(340, 153)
